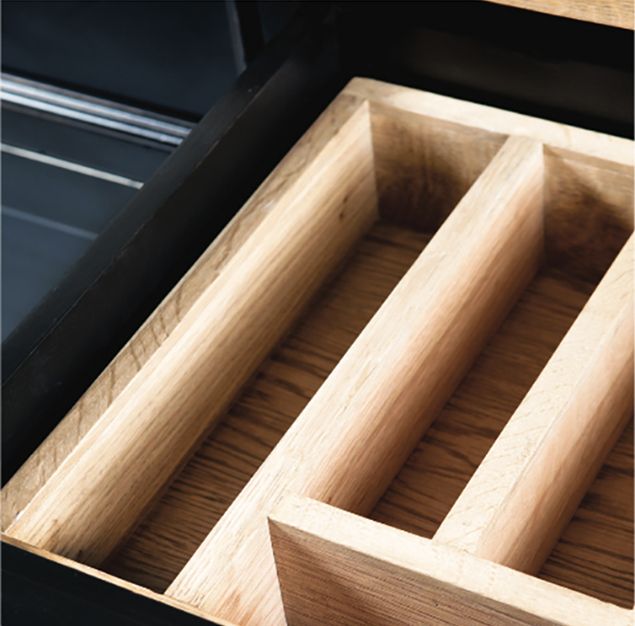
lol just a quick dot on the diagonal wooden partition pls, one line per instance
(532, 479)
(358, 429)
(162, 414)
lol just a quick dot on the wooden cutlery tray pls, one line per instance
(397, 389)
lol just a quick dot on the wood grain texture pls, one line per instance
(424, 166)
(204, 489)
(424, 151)
(405, 363)
(532, 479)
(618, 13)
(25, 483)
(588, 175)
(165, 410)
(337, 568)
(445, 459)
(594, 555)
(567, 141)
(430, 146)
(588, 214)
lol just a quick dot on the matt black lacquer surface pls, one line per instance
(40, 592)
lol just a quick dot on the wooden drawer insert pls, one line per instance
(441, 294)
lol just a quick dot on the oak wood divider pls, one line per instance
(359, 428)
(526, 489)
(154, 423)
(341, 569)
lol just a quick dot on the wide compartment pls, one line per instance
(364, 333)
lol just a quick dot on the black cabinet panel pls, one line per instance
(173, 56)
(60, 195)
(45, 593)
(35, 256)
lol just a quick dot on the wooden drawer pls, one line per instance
(381, 394)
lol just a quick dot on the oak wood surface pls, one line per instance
(204, 489)
(160, 416)
(588, 193)
(595, 558)
(532, 479)
(338, 568)
(422, 494)
(429, 148)
(565, 141)
(424, 166)
(618, 13)
(594, 555)
(588, 214)
(25, 483)
(347, 444)
(588, 175)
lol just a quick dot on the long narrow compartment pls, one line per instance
(196, 499)
(220, 468)
(167, 531)
(448, 454)
(409, 156)
(588, 218)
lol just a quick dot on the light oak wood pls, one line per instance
(439, 468)
(595, 552)
(199, 495)
(165, 410)
(414, 155)
(588, 201)
(406, 363)
(589, 176)
(615, 153)
(618, 13)
(531, 481)
(594, 555)
(588, 214)
(424, 166)
(337, 568)
(25, 483)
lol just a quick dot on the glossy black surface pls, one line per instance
(80, 143)
(147, 247)
(52, 213)
(172, 56)
(566, 70)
